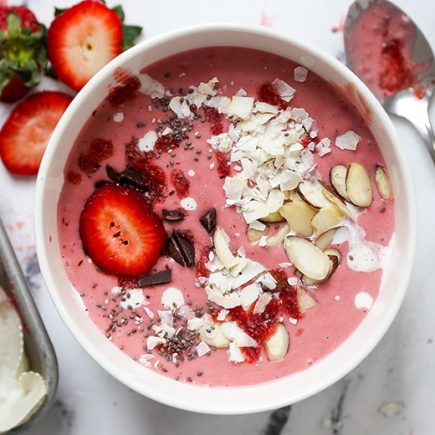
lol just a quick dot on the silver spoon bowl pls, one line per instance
(404, 103)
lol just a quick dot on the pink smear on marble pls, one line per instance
(19, 224)
(267, 20)
(339, 28)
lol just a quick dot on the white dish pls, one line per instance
(234, 400)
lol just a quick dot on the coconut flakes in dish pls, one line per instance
(151, 87)
(133, 299)
(202, 349)
(348, 141)
(148, 141)
(172, 298)
(283, 89)
(300, 74)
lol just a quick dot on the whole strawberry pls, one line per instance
(22, 52)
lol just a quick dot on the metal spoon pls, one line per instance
(404, 103)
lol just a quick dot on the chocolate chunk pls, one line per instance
(112, 173)
(100, 183)
(181, 249)
(173, 215)
(208, 220)
(129, 177)
(161, 277)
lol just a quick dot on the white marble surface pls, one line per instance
(401, 370)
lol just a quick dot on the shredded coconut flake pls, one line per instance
(300, 74)
(363, 300)
(148, 141)
(348, 140)
(202, 348)
(145, 359)
(188, 204)
(172, 298)
(151, 87)
(118, 117)
(153, 341)
(283, 89)
(133, 298)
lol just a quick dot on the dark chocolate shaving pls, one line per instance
(208, 220)
(173, 215)
(112, 173)
(100, 183)
(129, 177)
(161, 277)
(181, 249)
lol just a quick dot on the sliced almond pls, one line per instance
(358, 185)
(326, 238)
(335, 257)
(222, 249)
(293, 195)
(382, 182)
(254, 235)
(312, 193)
(306, 300)
(334, 252)
(273, 217)
(307, 257)
(334, 199)
(287, 195)
(310, 281)
(277, 345)
(326, 218)
(278, 237)
(298, 214)
(337, 176)
(213, 335)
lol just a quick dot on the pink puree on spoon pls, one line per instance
(380, 45)
(343, 300)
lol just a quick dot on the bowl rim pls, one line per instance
(199, 405)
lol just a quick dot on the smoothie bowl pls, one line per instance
(224, 219)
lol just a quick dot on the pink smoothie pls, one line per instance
(124, 120)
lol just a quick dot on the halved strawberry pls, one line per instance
(81, 40)
(120, 232)
(26, 132)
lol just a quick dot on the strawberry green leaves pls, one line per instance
(130, 33)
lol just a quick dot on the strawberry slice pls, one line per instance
(81, 40)
(26, 132)
(120, 232)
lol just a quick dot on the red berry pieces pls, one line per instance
(99, 150)
(180, 182)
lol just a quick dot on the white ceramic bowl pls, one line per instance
(234, 400)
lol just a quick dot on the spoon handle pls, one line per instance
(416, 111)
